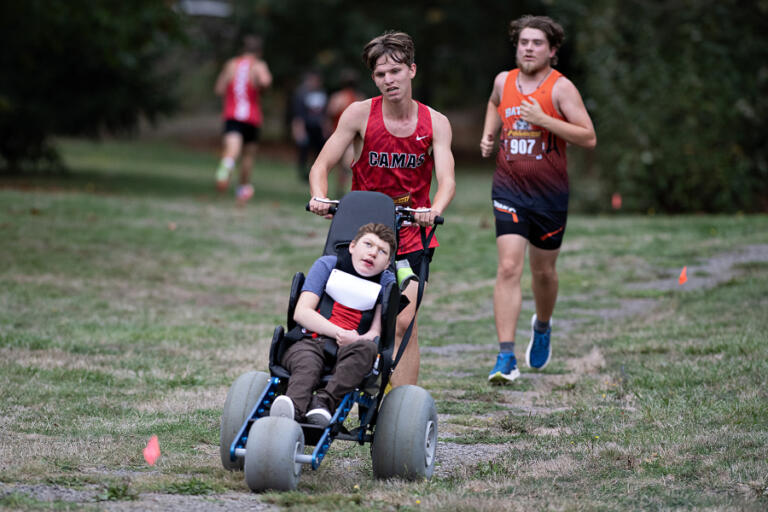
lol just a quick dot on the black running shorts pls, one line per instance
(249, 132)
(543, 229)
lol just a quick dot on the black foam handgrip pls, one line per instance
(331, 209)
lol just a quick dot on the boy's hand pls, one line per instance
(345, 337)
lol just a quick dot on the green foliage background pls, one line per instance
(80, 67)
(677, 89)
(679, 94)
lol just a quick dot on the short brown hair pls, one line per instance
(552, 29)
(380, 230)
(252, 44)
(397, 45)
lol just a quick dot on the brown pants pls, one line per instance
(305, 360)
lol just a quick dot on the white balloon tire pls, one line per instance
(405, 438)
(241, 398)
(270, 454)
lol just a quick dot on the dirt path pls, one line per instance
(453, 456)
(533, 399)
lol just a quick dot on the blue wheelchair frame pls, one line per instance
(320, 437)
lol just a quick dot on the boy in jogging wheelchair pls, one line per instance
(338, 313)
(339, 345)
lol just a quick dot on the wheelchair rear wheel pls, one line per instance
(270, 454)
(241, 399)
(405, 438)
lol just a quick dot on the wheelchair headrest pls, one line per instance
(354, 210)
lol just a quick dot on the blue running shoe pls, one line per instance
(539, 349)
(505, 369)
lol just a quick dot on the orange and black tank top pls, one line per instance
(531, 165)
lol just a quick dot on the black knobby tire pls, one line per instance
(241, 398)
(270, 454)
(405, 437)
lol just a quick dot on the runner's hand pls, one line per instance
(425, 217)
(486, 145)
(531, 111)
(319, 208)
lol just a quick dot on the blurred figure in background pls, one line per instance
(337, 103)
(308, 121)
(240, 83)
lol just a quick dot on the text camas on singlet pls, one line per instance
(400, 167)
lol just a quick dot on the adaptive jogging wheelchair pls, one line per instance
(401, 425)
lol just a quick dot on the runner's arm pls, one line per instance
(444, 169)
(335, 104)
(262, 77)
(577, 127)
(223, 79)
(492, 123)
(349, 127)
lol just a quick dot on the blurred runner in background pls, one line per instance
(308, 120)
(338, 102)
(240, 82)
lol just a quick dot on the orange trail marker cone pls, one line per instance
(683, 278)
(152, 451)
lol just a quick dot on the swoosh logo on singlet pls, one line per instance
(421, 137)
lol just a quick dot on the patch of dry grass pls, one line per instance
(125, 314)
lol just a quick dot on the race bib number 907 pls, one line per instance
(519, 146)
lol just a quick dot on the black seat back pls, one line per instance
(355, 209)
(296, 284)
(389, 309)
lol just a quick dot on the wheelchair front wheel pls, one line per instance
(241, 399)
(270, 454)
(405, 437)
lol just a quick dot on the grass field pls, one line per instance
(132, 295)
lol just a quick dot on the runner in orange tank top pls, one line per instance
(535, 111)
(338, 103)
(397, 143)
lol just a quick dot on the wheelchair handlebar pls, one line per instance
(331, 209)
(407, 213)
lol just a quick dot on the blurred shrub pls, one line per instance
(80, 67)
(678, 91)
